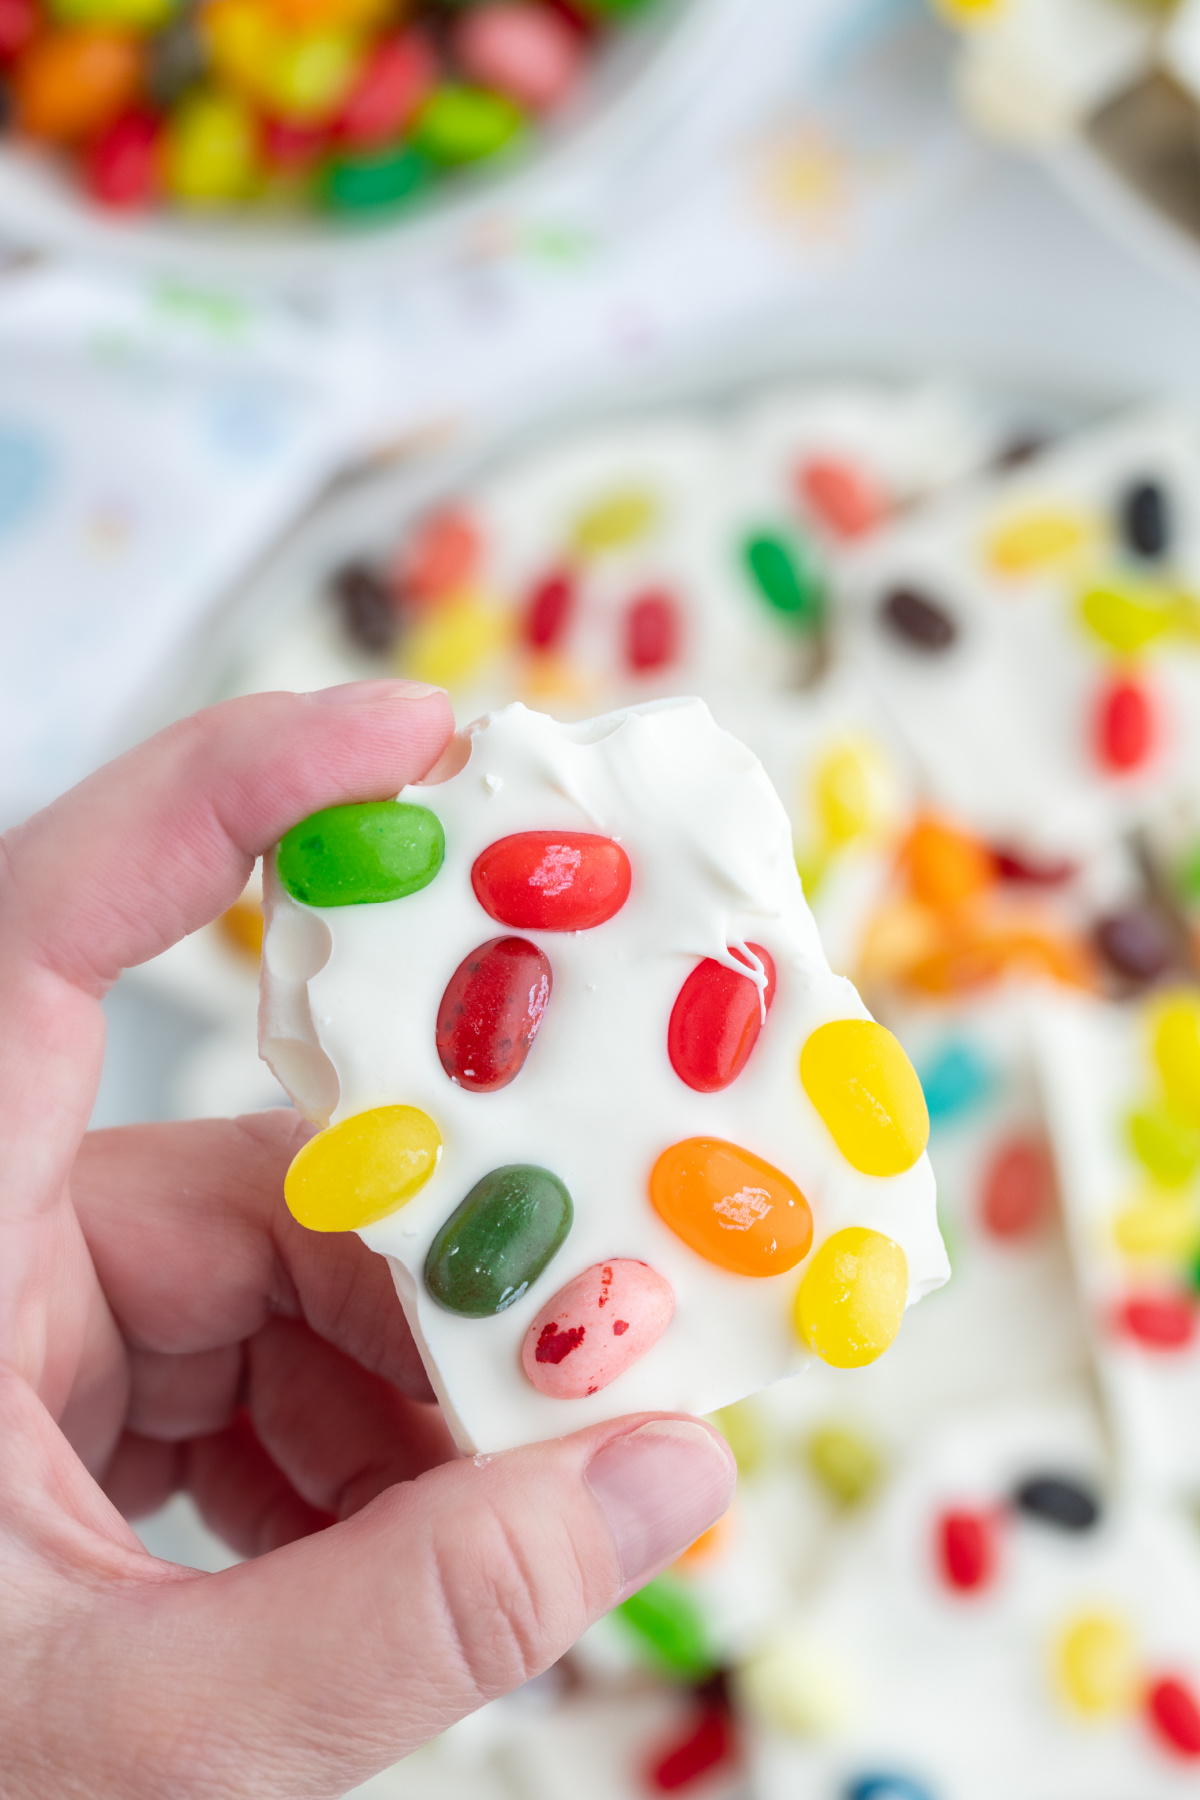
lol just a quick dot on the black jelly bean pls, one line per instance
(917, 619)
(1055, 1500)
(1137, 943)
(368, 611)
(1145, 512)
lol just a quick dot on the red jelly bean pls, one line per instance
(1159, 1321)
(1014, 865)
(549, 609)
(392, 83)
(843, 497)
(708, 1744)
(524, 51)
(1174, 1715)
(966, 1550)
(552, 880)
(20, 22)
(715, 1022)
(123, 166)
(293, 149)
(652, 633)
(490, 1013)
(1018, 1186)
(1124, 725)
(442, 554)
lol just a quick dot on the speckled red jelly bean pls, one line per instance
(549, 609)
(1174, 1715)
(709, 1742)
(1018, 1186)
(552, 880)
(491, 1010)
(715, 1022)
(653, 632)
(1124, 725)
(596, 1327)
(966, 1546)
(843, 497)
(521, 50)
(1159, 1321)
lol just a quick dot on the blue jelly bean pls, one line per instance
(956, 1080)
(878, 1786)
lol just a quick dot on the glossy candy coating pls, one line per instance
(389, 87)
(846, 1463)
(918, 620)
(843, 496)
(365, 182)
(620, 519)
(966, 1547)
(731, 1207)
(1017, 1189)
(846, 793)
(524, 51)
(548, 610)
(70, 84)
(498, 1241)
(1095, 1664)
(715, 1022)
(707, 1742)
(852, 1298)
(491, 1010)
(460, 124)
(357, 855)
(552, 880)
(1165, 1144)
(363, 1169)
(1067, 1504)
(1145, 515)
(785, 579)
(456, 638)
(866, 1090)
(653, 632)
(1158, 1322)
(667, 1622)
(596, 1327)
(310, 75)
(1036, 540)
(211, 150)
(1176, 1049)
(1126, 616)
(1173, 1712)
(1125, 728)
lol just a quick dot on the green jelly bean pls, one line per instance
(459, 124)
(354, 184)
(1165, 1145)
(1188, 874)
(787, 580)
(742, 1429)
(846, 1464)
(668, 1625)
(356, 855)
(494, 1246)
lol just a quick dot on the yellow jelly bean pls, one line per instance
(849, 793)
(1159, 1225)
(1165, 1145)
(846, 1464)
(1176, 1027)
(1129, 615)
(867, 1092)
(617, 520)
(742, 1428)
(310, 76)
(1035, 540)
(852, 1298)
(797, 1685)
(242, 39)
(362, 1169)
(242, 928)
(451, 645)
(1094, 1664)
(211, 153)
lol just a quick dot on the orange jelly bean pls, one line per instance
(71, 84)
(945, 866)
(731, 1207)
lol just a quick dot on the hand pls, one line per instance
(165, 1324)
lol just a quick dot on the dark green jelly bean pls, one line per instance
(669, 1627)
(356, 855)
(786, 581)
(494, 1246)
(357, 184)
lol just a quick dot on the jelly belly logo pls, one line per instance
(26, 467)
(738, 1212)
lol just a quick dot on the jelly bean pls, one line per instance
(787, 581)
(211, 153)
(363, 1169)
(20, 22)
(1145, 514)
(292, 150)
(552, 880)
(1068, 1505)
(1174, 1715)
(741, 1426)
(886, 1786)
(241, 38)
(368, 611)
(491, 1011)
(70, 84)
(846, 1464)
(709, 1743)
(549, 609)
(946, 867)
(493, 1247)
(1124, 725)
(360, 855)
(389, 177)
(1129, 616)
(852, 1298)
(390, 86)
(1095, 1665)
(123, 168)
(1035, 541)
(966, 1547)
(1164, 1322)
(1188, 874)
(960, 966)
(843, 496)
(666, 1621)
(1177, 1054)
(795, 1684)
(520, 50)
(121, 15)
(867, 1092)
(1014, 865)
(957, 1080)
(715, 1021)
(1137, 944)
(620, 519)
(917, 620)
(596, 1327)
(653, 631)
(849, 793)
(459, 124)
(731, 1207)
(1166, 1145)
(454, 642)
(1025, 446)
(1018, 1188)
(310, 75)
(241, 926)
(1159, 1225)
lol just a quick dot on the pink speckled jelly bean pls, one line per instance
(595, 1327)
